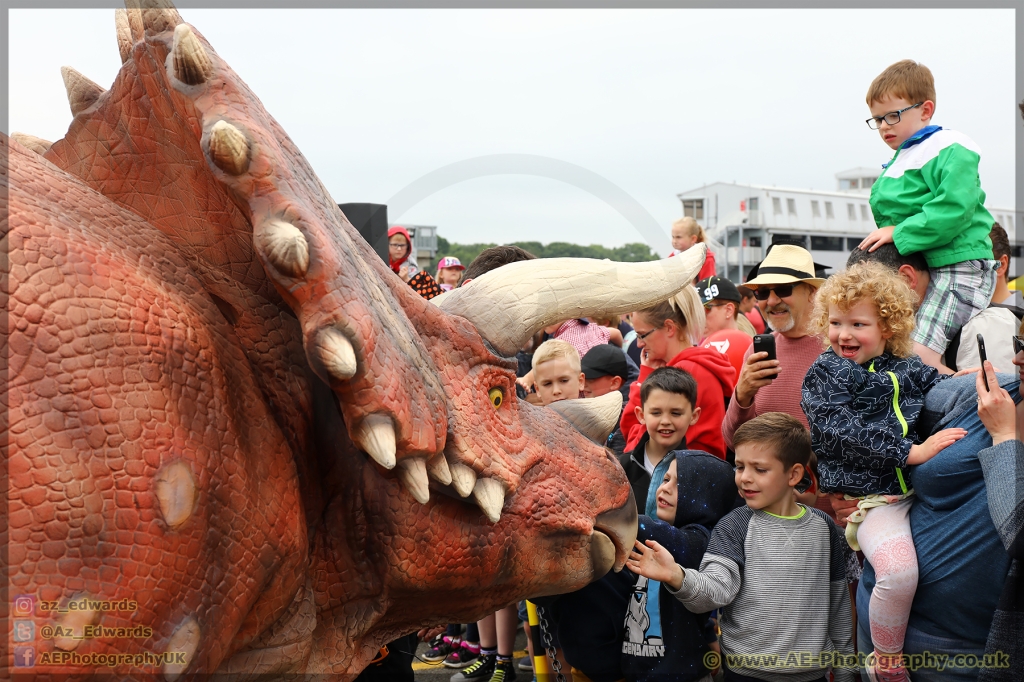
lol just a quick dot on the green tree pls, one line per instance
(627, 253)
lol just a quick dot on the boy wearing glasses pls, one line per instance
(929, 200)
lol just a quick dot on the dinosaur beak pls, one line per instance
(613, 537)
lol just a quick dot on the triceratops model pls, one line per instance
(234, 433)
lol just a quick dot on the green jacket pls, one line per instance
(931, 192)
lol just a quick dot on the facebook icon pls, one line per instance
(24, 656)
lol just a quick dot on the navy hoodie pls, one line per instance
(662, 640)
(590, 620)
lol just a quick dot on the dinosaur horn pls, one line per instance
(82, 92)
(124, 34)
(191, 63)
(509, 304)
(157, 15)
(36, 144)
(595, 418)
(229, 150)
(138, 31)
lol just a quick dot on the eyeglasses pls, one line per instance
(892, 118)
(709, 306)
(646, 334)
(782, 291)
(1018, 344)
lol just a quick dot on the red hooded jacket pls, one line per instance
(716, 379)
(392, 231)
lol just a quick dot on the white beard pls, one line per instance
(785, 327)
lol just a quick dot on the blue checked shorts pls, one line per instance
(955, 294)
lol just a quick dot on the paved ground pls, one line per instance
(435, 672)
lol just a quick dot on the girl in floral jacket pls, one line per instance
(862, 397)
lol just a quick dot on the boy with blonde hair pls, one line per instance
(557, 372)
(929, 200)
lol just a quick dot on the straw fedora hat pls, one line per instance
(786, 263)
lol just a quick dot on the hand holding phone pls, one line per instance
(751, 380)
(984, 357)
(765, 343)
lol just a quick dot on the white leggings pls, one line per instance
(884, 537)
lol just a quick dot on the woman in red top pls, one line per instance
(667, 334)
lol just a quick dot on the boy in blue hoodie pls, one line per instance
(663, 641)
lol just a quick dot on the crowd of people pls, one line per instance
(847, 501)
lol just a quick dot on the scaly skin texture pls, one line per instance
(175, 438)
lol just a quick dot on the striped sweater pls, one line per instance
(782, 585)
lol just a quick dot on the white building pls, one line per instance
(743, 220)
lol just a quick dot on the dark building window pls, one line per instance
(826, 243)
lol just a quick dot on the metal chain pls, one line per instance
(545, 638)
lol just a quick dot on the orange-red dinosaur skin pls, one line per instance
(174, 439)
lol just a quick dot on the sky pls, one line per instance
(597, 104)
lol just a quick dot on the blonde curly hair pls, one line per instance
(892, 297)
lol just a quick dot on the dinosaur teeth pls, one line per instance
(229, 150)
(285, 247)
(413, 475)
(489, 493)
(36, 144)
(463, 478)
(124, 34)
(336, 355)
(376, 436)
(191, 63)
(439, 471)
(82, 92)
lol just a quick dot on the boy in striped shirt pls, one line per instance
(775, 567)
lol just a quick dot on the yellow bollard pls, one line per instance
(541, 662)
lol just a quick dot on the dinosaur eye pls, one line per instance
(497, 396)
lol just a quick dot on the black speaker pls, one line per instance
(371, 220)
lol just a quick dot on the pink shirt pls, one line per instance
(581, 336)
(784, 393)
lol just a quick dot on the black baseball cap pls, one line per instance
(717, 288)
(604, 360)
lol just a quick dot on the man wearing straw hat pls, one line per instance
(784, 287)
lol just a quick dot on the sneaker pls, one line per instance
(461, 656)
(504, 672)
(526, 664)
(480, 671)
(440, 647)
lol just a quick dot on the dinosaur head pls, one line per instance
(422, 476)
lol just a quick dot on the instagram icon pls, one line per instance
(24, 605)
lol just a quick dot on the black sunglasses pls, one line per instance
(782, 291)
(1018, 344)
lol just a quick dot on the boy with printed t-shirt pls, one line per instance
(775, 567)
(668, 399)
(929, 200)
(663, 641)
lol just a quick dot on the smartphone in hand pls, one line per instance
(984, 357)
(765, 343)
